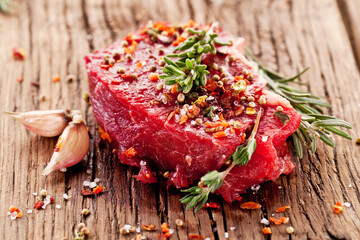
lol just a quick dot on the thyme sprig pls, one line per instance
(187, 70)
(5, 5)
(210, 182)
(314, 124)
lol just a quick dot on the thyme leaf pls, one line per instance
(283, 117)
(187, 69)
(210, 182)
(314, 125)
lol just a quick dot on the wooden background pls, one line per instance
(285, 35)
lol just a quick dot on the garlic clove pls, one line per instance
(44, 123)
(71, 147)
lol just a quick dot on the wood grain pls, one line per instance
(286, 35)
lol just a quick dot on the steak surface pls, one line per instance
(152, 130)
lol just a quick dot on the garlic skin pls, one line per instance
(71, 147)
(44, 123)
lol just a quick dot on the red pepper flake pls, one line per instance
(282, 209)
(179, 40)
(165, 227)
(250, 205)
(154, 76)
(87, 193)
(174, 88)
(213, 124)
(98, 189)
(56, 79)
(131, 49)
(18, 53)
(211, 205)
(161, 26)
(52, 200)
(284, 220)
(338, 208)
(196, 236)
(276, 221)
(104, 135)
(129, 153)
(38, 204)
(107, 66)
(219, 134)
(20, 79)
(183, 119)
(15, 210)
(267, 231)
(139, 64)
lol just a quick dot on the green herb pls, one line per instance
(314, 125)
(187, 70)
(5, 5)
(283, 117)
(209, 112)
(210, 182)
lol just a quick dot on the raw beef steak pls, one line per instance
(153, 128)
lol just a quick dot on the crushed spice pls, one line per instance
(338, 208)
(98, 189)
(267, 231)
(250, 205)
(282, 209)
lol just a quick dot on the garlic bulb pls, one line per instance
(71, 147)
(45, 123)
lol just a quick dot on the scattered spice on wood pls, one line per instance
(211, 205)
(267, 231)
(196, 236)
(18, 53)
(338, 208)
(87, 193)
(282, 209)
(14, 213)
(357, 141)
(150, 227)
(284, 220)
(276, 221)
(104, 135)
(85, 212)
(20, 79)
(250, 205)
(56, 79)
(38, 205)
(98, 189)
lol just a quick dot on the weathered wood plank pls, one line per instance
(286, 35)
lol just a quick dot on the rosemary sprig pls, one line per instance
(187, 70)
(5, 5)
(314, 125)
(210, 182)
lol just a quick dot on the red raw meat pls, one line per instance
(135, 114)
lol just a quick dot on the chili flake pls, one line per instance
(104, 135)
(98, 189)
(276, 221)
(338, 207)
(18, 53)
(87, 193)
(38, 204)
(219, 134)
(282, 209)
(250, 205)
(150, 227)
(196, 236)
(56, 79)
(14, 213)
(267, 230)
(154, 76)
(183, 119)
(129, 153)
(211, 205)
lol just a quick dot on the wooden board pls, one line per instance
(286, 35)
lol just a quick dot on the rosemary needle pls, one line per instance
(314, 125)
